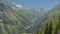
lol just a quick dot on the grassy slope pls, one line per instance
(53, 15)
(17, 21)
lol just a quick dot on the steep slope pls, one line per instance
(17, 20)
(52, 16)
(29, 17)
(7, 19)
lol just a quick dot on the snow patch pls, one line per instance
(20, 6)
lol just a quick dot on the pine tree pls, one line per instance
(55, 31)
(48, 30)
(59, 24)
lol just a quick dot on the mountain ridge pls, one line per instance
(17, 20)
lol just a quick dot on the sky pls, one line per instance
(46, 4)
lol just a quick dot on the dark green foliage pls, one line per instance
(59, 24)
(48, 30)
(55, 31)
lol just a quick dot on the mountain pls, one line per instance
(29, 17)
(15, 19)
(51, 16)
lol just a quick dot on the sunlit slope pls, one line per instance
(28, 18)
(53, 16)
(17, 20)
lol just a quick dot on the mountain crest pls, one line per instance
(57, 7)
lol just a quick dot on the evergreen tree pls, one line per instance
(55, 31)
(59, 24)
(48, 30)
